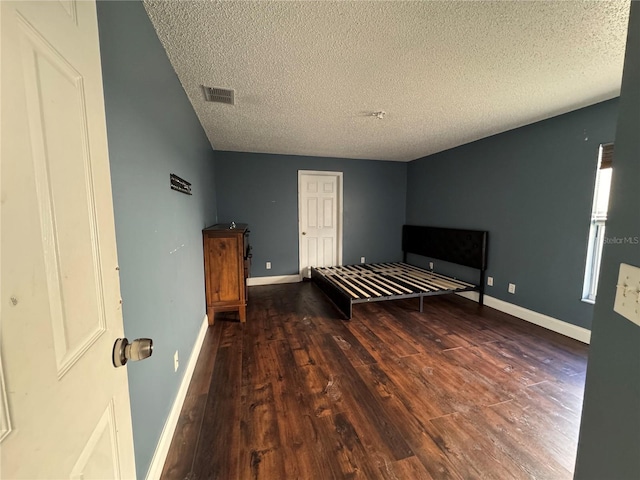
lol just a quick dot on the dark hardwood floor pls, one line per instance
(459, 391)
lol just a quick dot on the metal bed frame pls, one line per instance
(346, 285)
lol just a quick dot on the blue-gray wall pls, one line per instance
(532, 189)
(262, 190)
(609, 445)
(153, 132)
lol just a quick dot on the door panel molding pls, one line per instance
(55, 91)
(71, 8)
(5, 415)
(92, 460)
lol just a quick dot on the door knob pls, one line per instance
(304, 233)
(124, 351)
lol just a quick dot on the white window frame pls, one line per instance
(594, 257)
(596, 241)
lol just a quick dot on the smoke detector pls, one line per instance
(379, 115)
(219, 95)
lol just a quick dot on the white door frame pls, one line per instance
(339, 213)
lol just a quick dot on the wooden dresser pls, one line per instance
(227, 262)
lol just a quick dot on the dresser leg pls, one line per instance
(210, 315)
(243, 313)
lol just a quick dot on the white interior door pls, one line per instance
(64, 410)
(320, 219)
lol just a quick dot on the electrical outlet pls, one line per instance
(430, 265)
(490, 281)
(362, 260)
(512, 288)
(268, 266)
(176, 362)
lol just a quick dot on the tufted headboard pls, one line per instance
(464, 247)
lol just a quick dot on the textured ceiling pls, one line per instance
(308, 75)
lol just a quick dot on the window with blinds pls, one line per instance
(598, 222)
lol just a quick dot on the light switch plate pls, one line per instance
(627, 301)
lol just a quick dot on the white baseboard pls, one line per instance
(162, 449)
(567, 329)
(253, 281)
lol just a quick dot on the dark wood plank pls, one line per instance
(459, 391)
(260, 446)
(385, 336)
(222, 412)
(510, 355)
(518, 374)
(535, 463)
(542, 429)
(353, 349)
(506, 380)
(377, 430)
(296, 422)
(472, 452)
(406, 407)
(179, 461)
(409, 468)
(409, 323)
(348, 457)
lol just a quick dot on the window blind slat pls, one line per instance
(606, 159)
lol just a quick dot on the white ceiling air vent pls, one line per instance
(219, 95)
